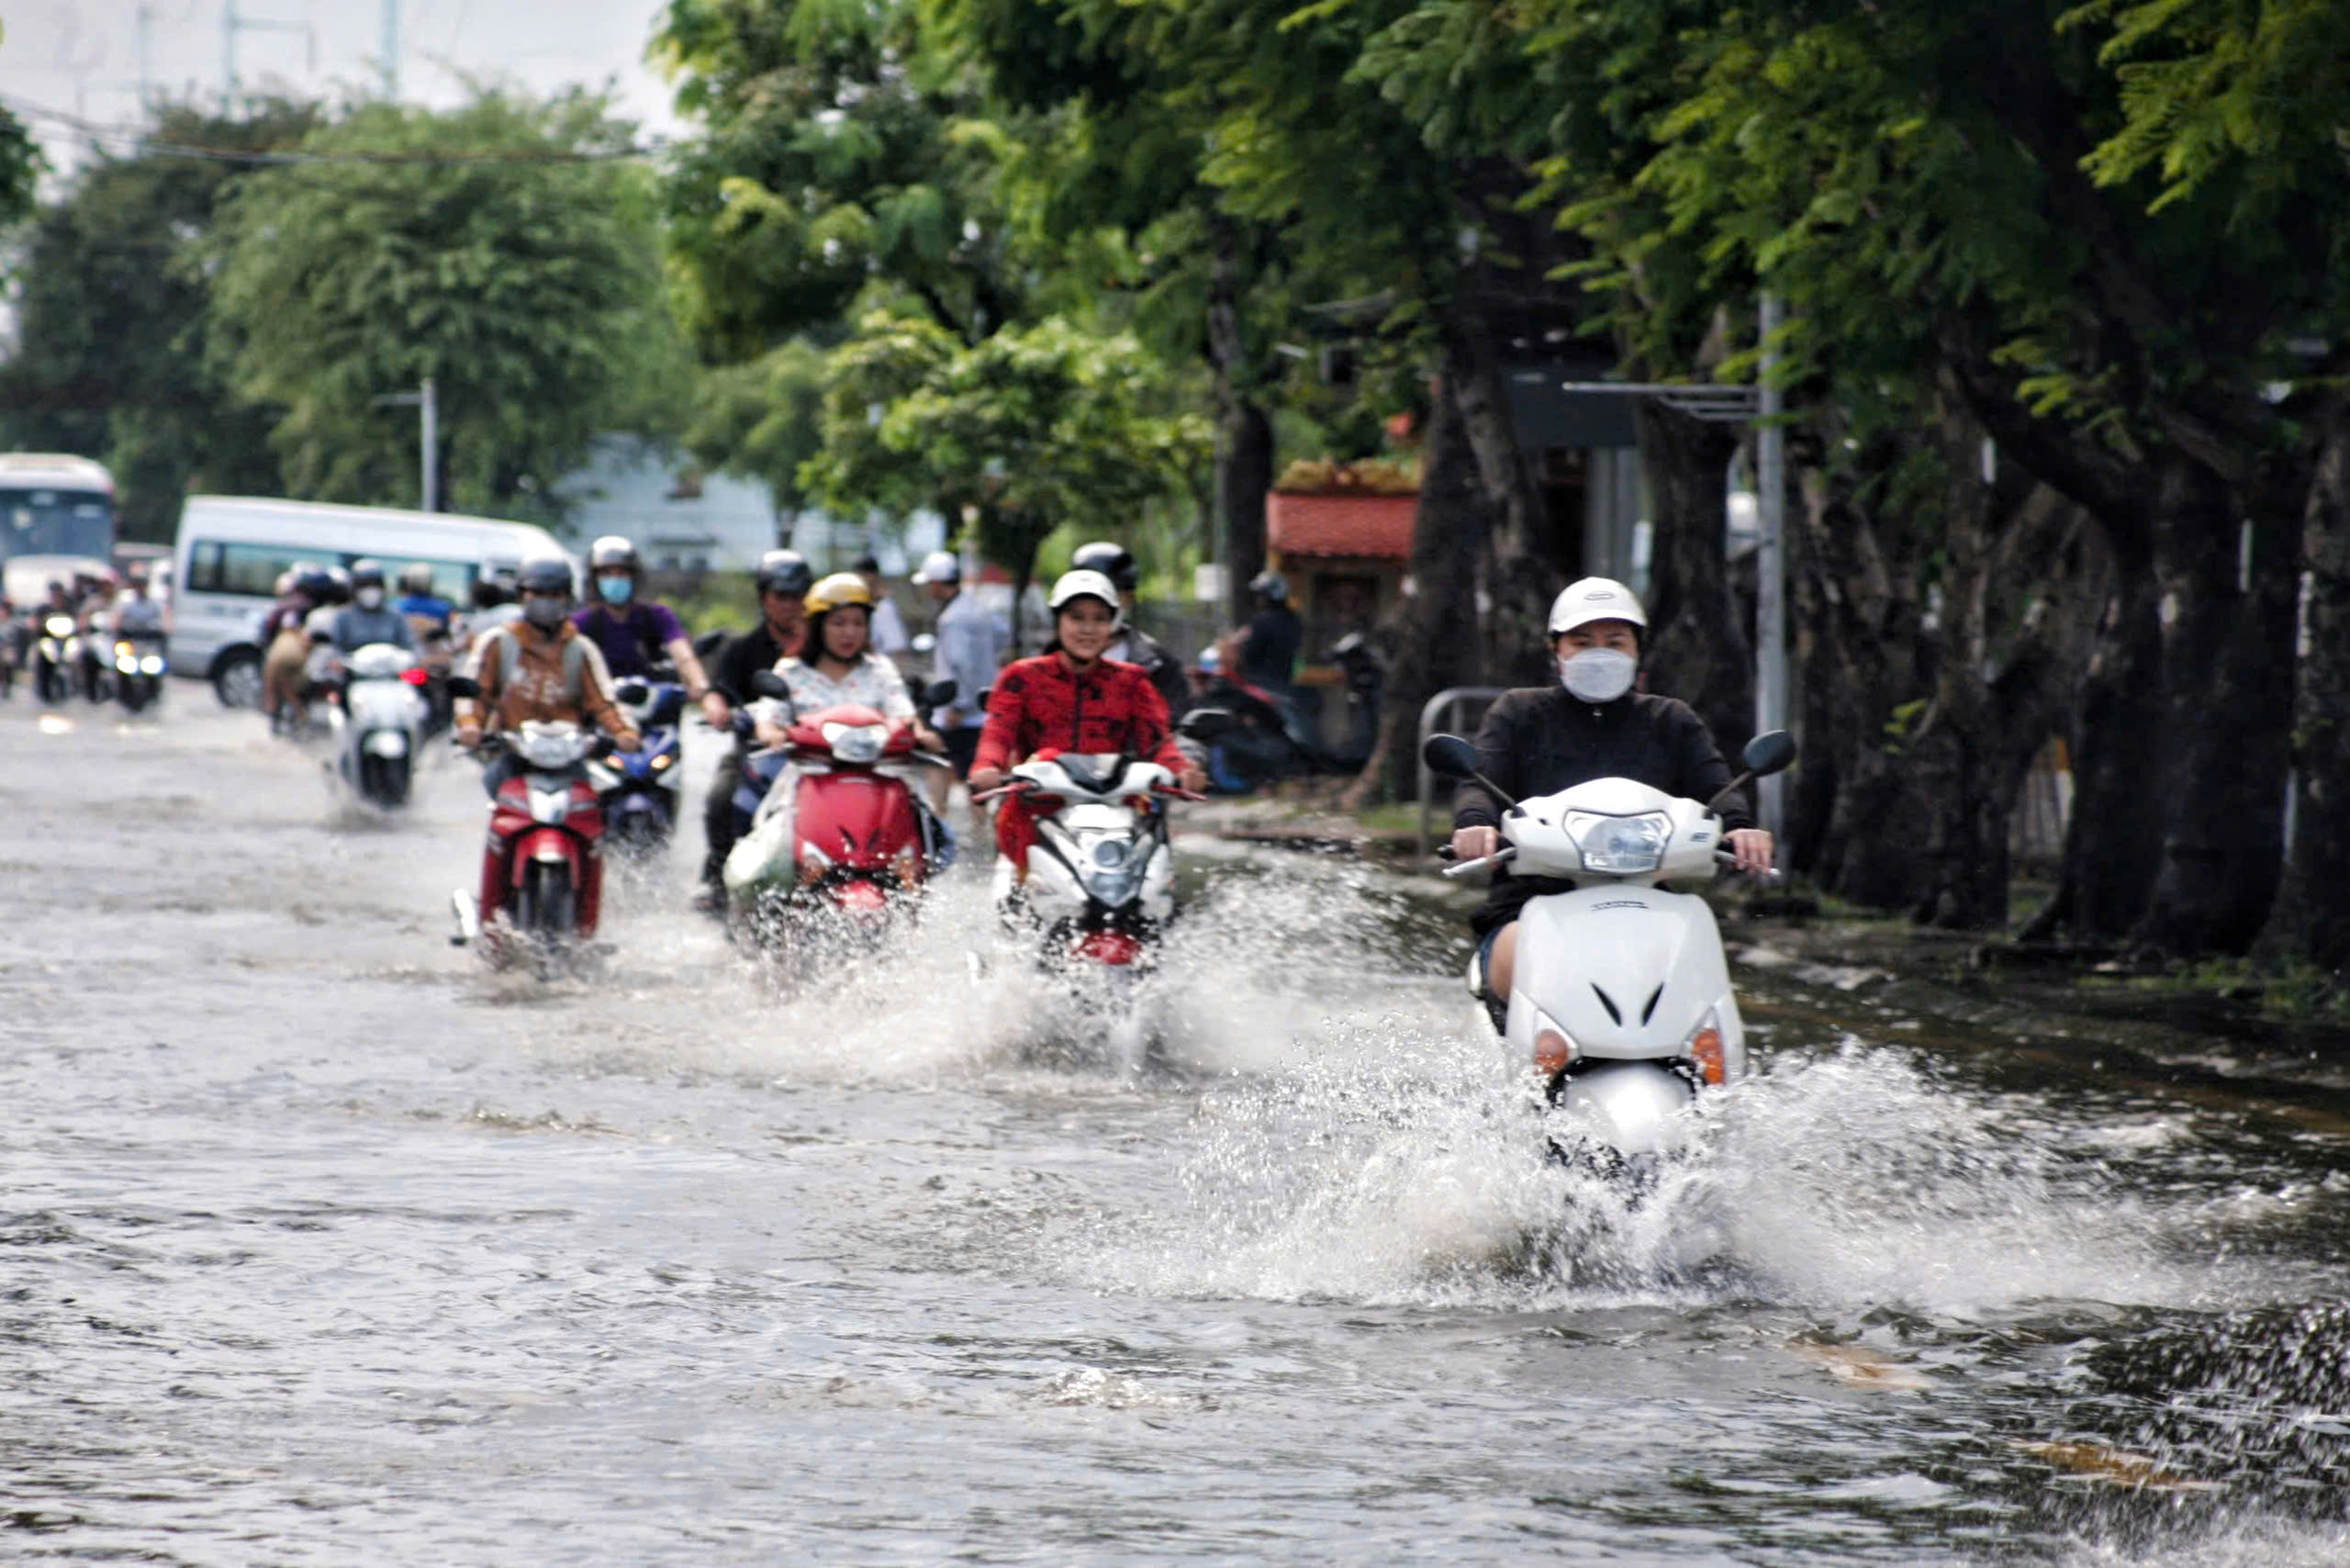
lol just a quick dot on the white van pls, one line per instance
(232, 548)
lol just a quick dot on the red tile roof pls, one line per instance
(1340, 525)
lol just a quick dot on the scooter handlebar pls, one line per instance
(1724, 857)
(1496, 858)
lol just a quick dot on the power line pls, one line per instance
(138, 139)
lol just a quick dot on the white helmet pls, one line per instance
(1084, 585)
(1595, 599)
(939, 567)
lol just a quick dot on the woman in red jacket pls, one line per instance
(1070, 698)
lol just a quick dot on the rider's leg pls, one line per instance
(1501, 966)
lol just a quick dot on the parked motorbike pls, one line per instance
(138, 668)
(832, 834)
(1100, 886)
(542, 869)
(378, 723)
(55, 656)
(639, 788)
(1621, 999)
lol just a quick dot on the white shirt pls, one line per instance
(872, 680)
(888, 634)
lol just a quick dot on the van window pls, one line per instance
(452, 580)
(251, 569)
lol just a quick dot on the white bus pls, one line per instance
(233, 549)
(56, 519)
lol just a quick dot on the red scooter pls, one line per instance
(543, 863)
(837, 837)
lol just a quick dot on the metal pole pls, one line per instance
(146, 31)
(429, 410)
(229, 56)
(391, 50)
(1770, 564)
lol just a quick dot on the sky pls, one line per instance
(82, 57)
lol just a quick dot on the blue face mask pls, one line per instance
(616, 590)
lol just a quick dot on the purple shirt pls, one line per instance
(632, 639)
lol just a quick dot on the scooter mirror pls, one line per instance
(939, 693)
(1205, 723)
(463, 685)
(1450, 755)
(1770, 752)
(766, 683)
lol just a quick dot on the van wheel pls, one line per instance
(236, 680)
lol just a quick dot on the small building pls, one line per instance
(1345, 552)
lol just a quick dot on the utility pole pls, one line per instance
(231, 25)
(427, 404)
(146, 54)
(391, 62)
(1771, 568)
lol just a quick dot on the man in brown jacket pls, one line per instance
(539, 668)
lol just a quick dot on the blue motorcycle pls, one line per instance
(639, 788)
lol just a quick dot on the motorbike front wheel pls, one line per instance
(48, 683)
(544, 910)
(384, 781)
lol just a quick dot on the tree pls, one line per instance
(762, 421)
(113, 355)
(1022, 433)
(507, 250)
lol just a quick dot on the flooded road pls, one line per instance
(320, 1244)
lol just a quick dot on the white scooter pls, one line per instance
(378, 727)
(1621, 999)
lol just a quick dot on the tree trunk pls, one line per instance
(1521, 577)
(1243, 436)
(2227, 685)
(1699, 649)
(2310, 921)
(1431, 635)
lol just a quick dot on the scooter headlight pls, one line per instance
(59, 626)
(1111, 865)
(151, 664)
(856, 743)
(660, 763)
(1705, 1048)
(1623, 845)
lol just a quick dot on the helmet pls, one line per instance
(1272, 585)
(547, 574)
(868, 562)
(417, 577)
(611, 552)
(840, 589)
(785, 572)
(1595, 599)
(313, 584)
(1113, 560)
(366, 574)
(1084, 585)
(939, 566)
(338, 586)
(285, 584)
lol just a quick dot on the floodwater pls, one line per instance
(322, 1244)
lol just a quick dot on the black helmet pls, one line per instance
(1113, 560)
(314, 585)
(614, 552)
(785, 572)
(366, 574)
(547, 574)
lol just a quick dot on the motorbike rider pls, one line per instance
(783, 579)
(636, 635)
(1071, 697)
(419, 603)
(538, 667)
(285, 649)
(889, 637)
(1593, 724)
(367, 618)
(1132, 644)
(971, 650)
(138, 616)
(1267, 645)
(839, 664)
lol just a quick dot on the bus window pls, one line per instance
(47, 521)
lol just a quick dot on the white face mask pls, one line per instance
(370, 598)
(1598, 675)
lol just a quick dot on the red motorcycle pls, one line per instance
(834, 835)
(543, 864)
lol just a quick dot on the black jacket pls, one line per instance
(746, 653)
(1539, 740)
(1166, 671)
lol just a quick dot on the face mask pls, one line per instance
(616, 590)
(370, 598)
(1598, 675)
(543, 611)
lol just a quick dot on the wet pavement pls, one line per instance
(320, 1243)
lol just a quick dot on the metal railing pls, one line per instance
(1441, 704)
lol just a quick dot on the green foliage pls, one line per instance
(1032, 428)
(761, 420)
(528, 286)
(20, 166)
(114, 343)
